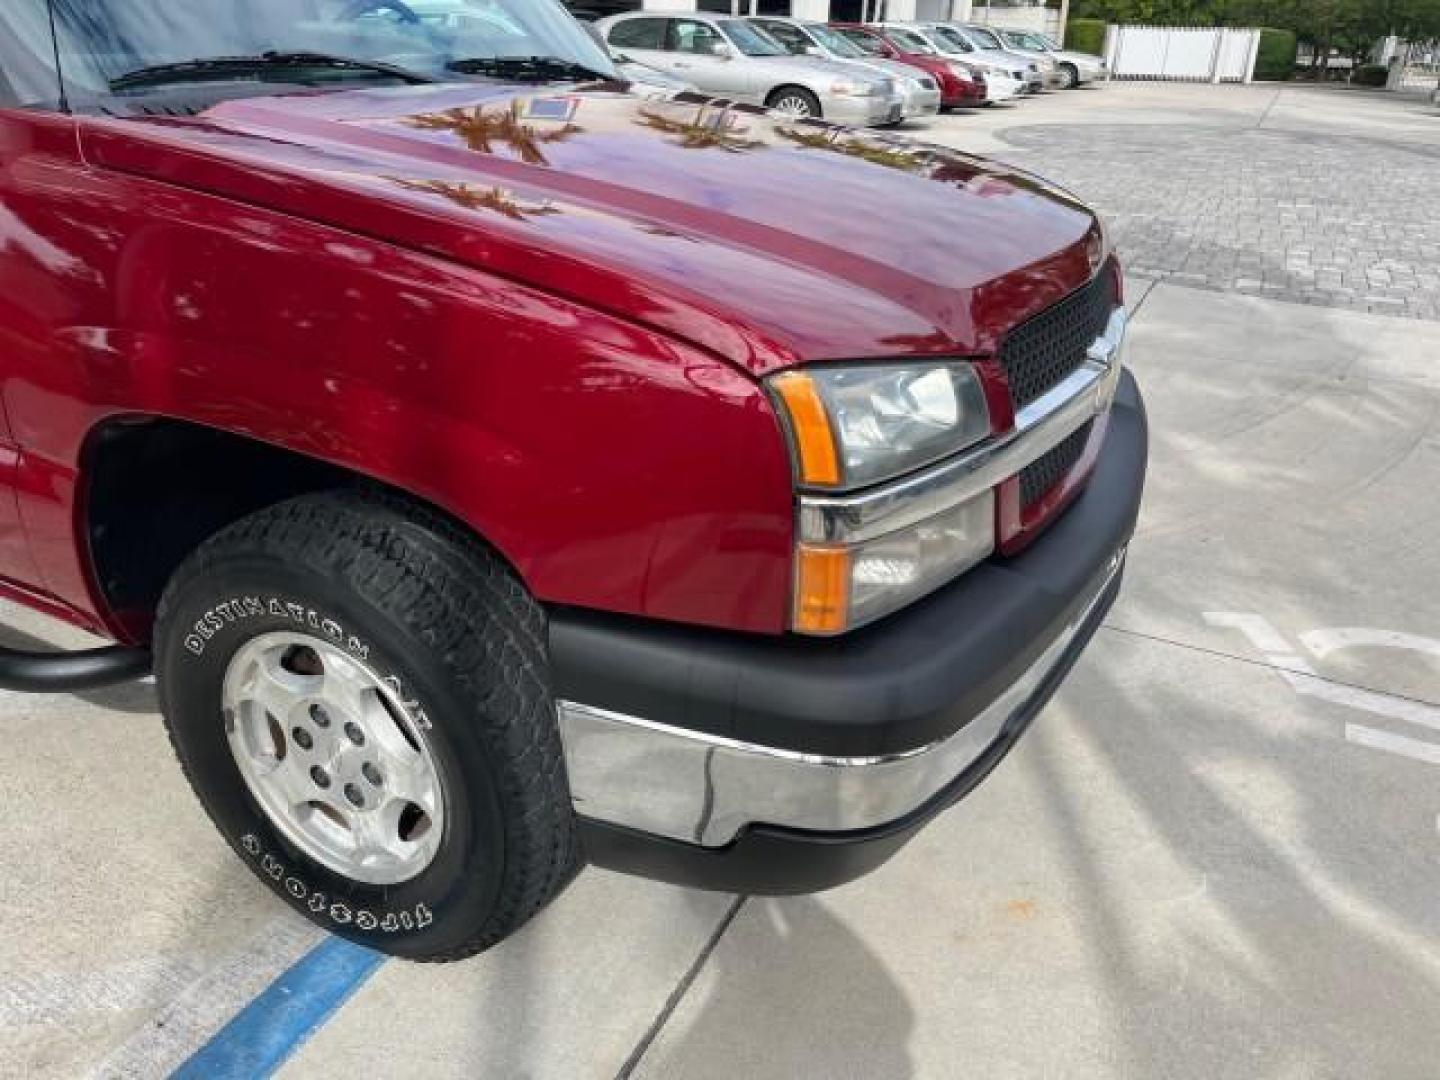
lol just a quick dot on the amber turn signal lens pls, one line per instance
(822, 589)
(810, 428)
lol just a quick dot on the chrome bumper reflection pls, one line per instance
(704, 789)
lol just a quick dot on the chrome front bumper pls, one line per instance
(856, 111)
(1002, 87)
(704, 789)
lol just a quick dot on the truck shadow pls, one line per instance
(1258, 919)
(853, 1017)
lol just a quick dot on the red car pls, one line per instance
(960, 84)
(500, 469)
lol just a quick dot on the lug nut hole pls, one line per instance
(320, 776)
(354, 794)
(320, 716)
(302, 738)
(356, 736)
(371, 773)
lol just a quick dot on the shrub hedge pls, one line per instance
(1086, 35)
(1370, 75)
(1275, 59)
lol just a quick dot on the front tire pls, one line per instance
(794, 101)
(1069, 76)
(359, 694)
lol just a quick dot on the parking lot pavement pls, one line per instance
(1214, 855)
(1320, 195)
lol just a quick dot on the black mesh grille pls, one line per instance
(1039, 353)
(1050, 468)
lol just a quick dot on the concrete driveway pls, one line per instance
(1215, 854)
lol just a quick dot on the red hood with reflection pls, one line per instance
(768, 241)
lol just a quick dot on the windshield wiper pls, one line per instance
(527, 68)
(237, 66)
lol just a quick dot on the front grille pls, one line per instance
(1042, 474)
(1041, 352)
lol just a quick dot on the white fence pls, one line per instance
(1218, 54)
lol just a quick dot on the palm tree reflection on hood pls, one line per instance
(473, 197)
(480, 129)
(705, 129)
(835, 140)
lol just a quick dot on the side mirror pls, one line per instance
(813, 50)
(720, 50)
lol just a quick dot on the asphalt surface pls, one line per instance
(1215, 854)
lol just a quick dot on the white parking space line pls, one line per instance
(1418, 749)
(1323, 642)
(1373, 701)
(1256, 627)
(1331, 639)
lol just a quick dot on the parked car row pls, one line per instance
(865, 74)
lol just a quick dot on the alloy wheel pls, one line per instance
(332, 757)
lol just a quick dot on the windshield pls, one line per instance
(864, 42)
(983, 38)
(1027, 41)
(751, 40)
(908, 42)
(951, 40)
(837, 43)
(102, 41)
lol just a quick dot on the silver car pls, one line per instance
(984, 49)
(1072, 68)
(725, 56)
(804, 38)
(989, 40)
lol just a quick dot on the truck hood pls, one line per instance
(767, 241)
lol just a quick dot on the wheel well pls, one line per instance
(155, 489)
(775, 94)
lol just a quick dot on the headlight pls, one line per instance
(858, 424)
(854, 426)
(850, 88)
(838, 588)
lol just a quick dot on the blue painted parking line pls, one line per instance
(280, 1020)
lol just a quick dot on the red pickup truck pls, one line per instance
(502, 470)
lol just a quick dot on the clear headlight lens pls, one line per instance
(840, 588)
(879, 420)
(853, 88)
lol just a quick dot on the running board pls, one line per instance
(59, 673)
